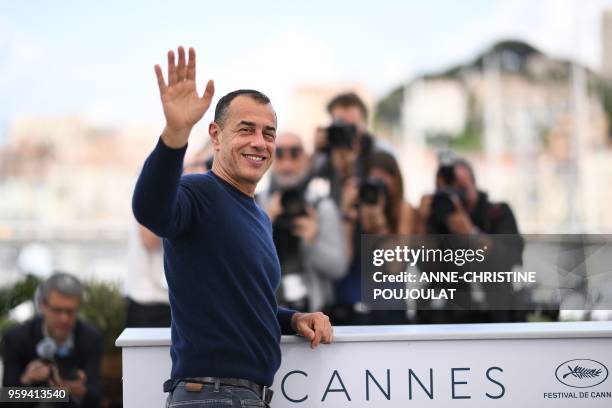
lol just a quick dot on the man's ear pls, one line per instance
(214, 131)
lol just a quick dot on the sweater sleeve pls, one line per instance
(158, 203)
(284, 319)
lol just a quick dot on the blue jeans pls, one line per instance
(225, 396)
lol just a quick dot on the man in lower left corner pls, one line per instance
(56, 348)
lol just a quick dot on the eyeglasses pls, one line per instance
(61, 310)
(294, 152)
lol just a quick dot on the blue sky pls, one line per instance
(96, 59)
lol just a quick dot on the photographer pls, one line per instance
(459, 208)
(307, 230)
(56, 349)
(343, 150)
(374, 205)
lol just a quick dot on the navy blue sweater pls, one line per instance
(221, 267)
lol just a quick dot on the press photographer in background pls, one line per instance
(372, 205)
(307, 229)
(56, 348)
(459, 208)
(343, 149)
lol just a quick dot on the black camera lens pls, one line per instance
(293, 203)
(341, 135)
(371, 190)
(447, 172)
(442, 205)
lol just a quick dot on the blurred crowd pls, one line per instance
(321, 200)
(321, 203)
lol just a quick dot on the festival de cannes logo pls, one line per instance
(581, 373)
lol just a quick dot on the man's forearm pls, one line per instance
(175, 138)
(155, 195)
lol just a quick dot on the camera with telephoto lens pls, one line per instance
(293, 205)
(291, 292)
(341, 136)
(371, 190)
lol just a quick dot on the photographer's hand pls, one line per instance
(274, 207)
(320, 139)
(36, 371)
(76, 388)
(459, 222)
(183, 107)
(423, 213)
(350, 195)
(307, 226)
(373, 218)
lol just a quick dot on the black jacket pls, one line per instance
(19, 348)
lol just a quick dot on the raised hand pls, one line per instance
(183, 107)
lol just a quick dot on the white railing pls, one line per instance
(480, 365)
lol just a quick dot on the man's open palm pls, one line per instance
(183, 107)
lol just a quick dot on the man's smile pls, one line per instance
(255, 158)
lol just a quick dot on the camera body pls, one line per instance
(61, 358)
(372, 190)
(287, 243)
(67, 367)
(292, 292)
(341, 135)
(294, 205)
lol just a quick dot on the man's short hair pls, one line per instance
(346, 100)
(222, 107)
(62, 283)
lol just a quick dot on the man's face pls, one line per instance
(291, 162)
(350, 115)
(60, 313)
(246, 143)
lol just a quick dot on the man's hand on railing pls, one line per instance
(316, 327)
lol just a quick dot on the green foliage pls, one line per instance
(105, 307)
(12, 296)
(387, 118)
(537, 317)
(388, 111)
(470, 139)
(18, 293)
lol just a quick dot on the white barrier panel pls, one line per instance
(482, 365)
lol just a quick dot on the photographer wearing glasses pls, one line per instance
(56, 348)
(307, 230)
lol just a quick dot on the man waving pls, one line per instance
(220, 262)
